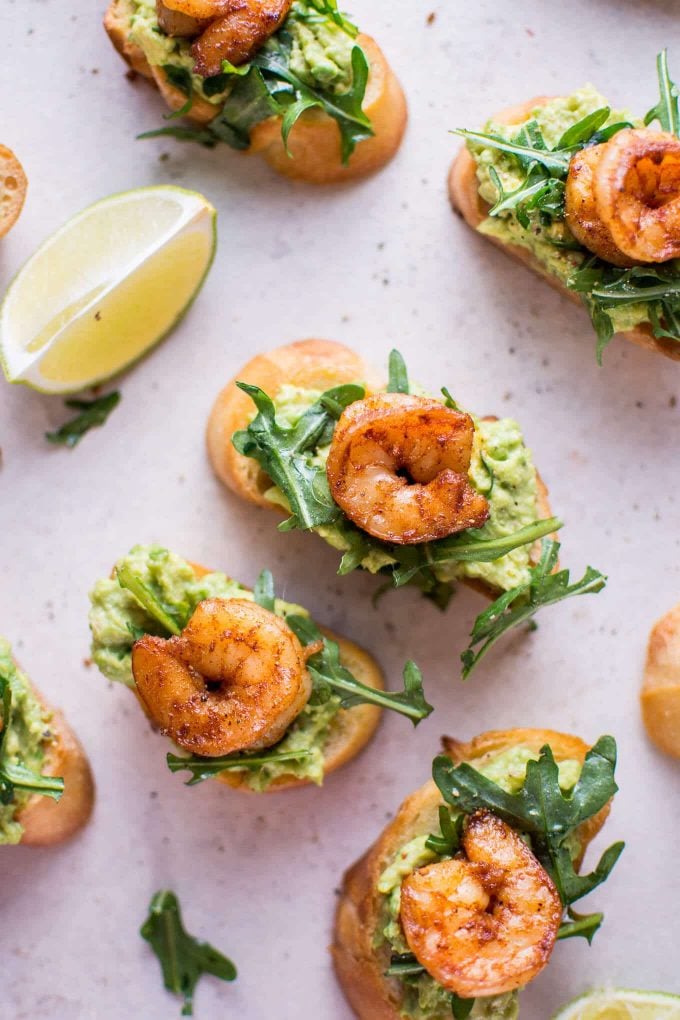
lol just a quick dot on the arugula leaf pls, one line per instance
(398, 374)
(525, 153)
(519, 604)
(148, 601)
(446, 843)
(263, 591)
(544, 812)
(284, 452)
(404, 965)
(581, 132)
(583, 925)
(15, 776)
(461, 1008)
(324, 10)
(207, 768)
(182, 957)
(331, 677)
(91, 413)
(180, 78)
(666, 110)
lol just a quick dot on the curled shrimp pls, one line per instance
(237, 33)
(234, 680)
(398, 468)
(623, 197)
(484, 923)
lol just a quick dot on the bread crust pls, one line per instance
(309, 364)
(660, 694)
(13, 186)
(351, 729)
(314, 142)
(358, 965)
(466, 200)
(45, 821)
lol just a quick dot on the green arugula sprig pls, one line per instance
(91, 413)
(520, 604)
(183, 958)
(267, 86)
(405, 967)
(208, 768)
(15, 776)
(666, 110)
(547, 815)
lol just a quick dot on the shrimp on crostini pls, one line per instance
(485, 922)
(233, 680)
(623, 197)
(398, 467)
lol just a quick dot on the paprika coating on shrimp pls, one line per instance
(484, 922)
(234, 680)
(398, 468)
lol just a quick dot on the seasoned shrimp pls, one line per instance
(241, 28)
(234, 680)
(623, 197)
(178, 22)
(398, 468)
(484, 923)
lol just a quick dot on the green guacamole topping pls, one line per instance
(501, 468)
(26, 740)
(117, 619)
(423, 998)
(544, 240)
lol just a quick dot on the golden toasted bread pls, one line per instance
(309, 364)
(314, 143)
(359, 966)
(660, 695)
(466, 200)
(13, 185)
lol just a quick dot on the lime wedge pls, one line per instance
(110, 284)
(622, 1004)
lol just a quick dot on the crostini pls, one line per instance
(13, 186)
(660, 695)
(589, 198)
(46, 786)
(293, 82)
(401, 484)
(245, 684)
(459, 903)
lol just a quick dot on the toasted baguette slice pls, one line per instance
(351, 729)
(314, 143)
(13, 185)
(660, 695)
(359, 966)
(45, 821)
(309, 364)
(466, 200)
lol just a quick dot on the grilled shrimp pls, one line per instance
(484, 923)
(237, 33)
(623, 197)
(398, 468)
(234, 680)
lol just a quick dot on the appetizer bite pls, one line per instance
(13, 185)
(401, 483)
(290, 80)
(660, 695)
(246, 684)
(589, 197)
(459, 903)
(46, 787)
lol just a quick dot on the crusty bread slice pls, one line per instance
(466, 200)
(45, 821)
(358, 964)
(660, 695)
(314, 142)
(309, 364)
(351, 729)
(13, 185)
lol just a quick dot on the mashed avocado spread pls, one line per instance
(501, 468)
(117, 620)
(545, 242)
(26, 741)
(423, 998)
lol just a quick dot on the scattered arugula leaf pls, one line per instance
(519, 604)
(398, 374)
(583, 925)
(183, 958)
(148, 600)
(404, 965)
(180, 78)
(666, 110)
(330, 677)
(461, 1008)
(208, 768)
(447, 842)
(284, 452)
(545, 813)
(91, 413)
(263, 592)
(15, 776)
